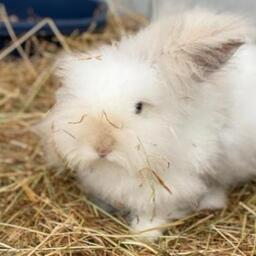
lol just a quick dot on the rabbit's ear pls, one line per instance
(204, 61)
(45, 131)
(200, 42)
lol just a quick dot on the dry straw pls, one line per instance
(43, 213)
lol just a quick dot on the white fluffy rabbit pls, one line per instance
(163, 122)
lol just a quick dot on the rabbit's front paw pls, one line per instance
(147, 228)
(216, 198)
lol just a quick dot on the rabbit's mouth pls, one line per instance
(113, 159)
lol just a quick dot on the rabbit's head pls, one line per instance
(111, 109)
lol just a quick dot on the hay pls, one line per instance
(45, 213)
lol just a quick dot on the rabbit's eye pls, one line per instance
(138, 108)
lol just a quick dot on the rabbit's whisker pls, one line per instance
(69, 134)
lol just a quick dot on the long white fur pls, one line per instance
(196, 134)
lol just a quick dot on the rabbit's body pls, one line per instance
(165, 121)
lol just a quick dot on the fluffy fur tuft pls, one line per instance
(163, 122)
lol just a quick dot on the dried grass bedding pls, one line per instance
(43, 212)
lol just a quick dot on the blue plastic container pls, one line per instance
(69, 15)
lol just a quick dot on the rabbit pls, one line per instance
(163, 122)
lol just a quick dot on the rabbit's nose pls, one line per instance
(105, 146)
(103, 152)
